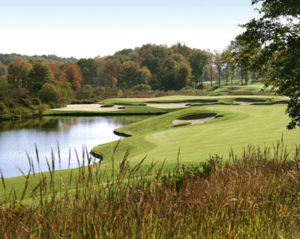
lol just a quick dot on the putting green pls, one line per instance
(238, 127)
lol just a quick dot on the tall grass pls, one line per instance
(254, 195)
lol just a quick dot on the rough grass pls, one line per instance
(255, 195)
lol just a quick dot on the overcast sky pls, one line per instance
(89, 28)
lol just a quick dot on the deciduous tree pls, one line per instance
(175, 72)
(18, 73)
(2, 70)
(88, 70)
(72, 74)
(199, 61)
(132, 74)
(218, 61)
(38, 76)
(274, 42)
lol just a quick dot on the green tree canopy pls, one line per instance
(199, 61)
(88, 70)
(18, 73)
(38, 76)
(2, 70)
(175, 72)
(273, 42)
(132, 74)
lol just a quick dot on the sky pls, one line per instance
(90, 28)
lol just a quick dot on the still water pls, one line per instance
(70, 133)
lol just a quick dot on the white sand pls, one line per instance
(195, 121)
(167, 105)
(89, 107)
(244, 102)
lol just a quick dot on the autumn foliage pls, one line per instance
(72, 75)
(18, 72)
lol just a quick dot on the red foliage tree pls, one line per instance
(58, 74)
(72, 75)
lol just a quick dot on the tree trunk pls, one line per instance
(211, 76)
(246, 77)
(219, 73)
(227, 73)
(241, 75)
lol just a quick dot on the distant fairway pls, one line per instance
(238, 127)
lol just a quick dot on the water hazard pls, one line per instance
(47, 133)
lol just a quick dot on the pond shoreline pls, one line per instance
(103, 114)
(15, 118)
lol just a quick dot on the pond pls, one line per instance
(70, 134)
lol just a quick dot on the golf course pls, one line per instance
(224, 149)
(224, 123)
(150, 120)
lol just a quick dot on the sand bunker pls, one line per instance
(168, 105)
(89, 107)
(195, 119)
(244, 102)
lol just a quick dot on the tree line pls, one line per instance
(155, 67)
(38, 81)
(164, 68)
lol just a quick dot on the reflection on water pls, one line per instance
(19, 137)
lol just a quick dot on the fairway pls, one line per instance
(236, 127)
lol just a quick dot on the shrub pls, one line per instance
(4, 112)
(25, 101)
(214, 88)
(20, 112)
(49, 93)
(142, 87)
(42, 108)
(99, 92)
(36, 101)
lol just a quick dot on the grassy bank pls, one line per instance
(255, 195)
(126, 110)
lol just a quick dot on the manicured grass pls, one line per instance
(184, 98)
(255, 88)
(137, 106)
(128, 110)
(238, 127)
